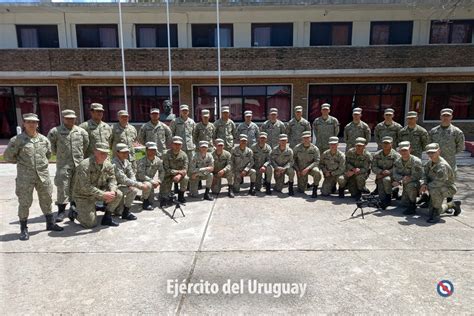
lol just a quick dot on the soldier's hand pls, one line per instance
(327, 173)
(194, 176)
(356, 170)
(177, 178)
(395, 184)
(263, 169)
(109, 196)
(220, 174)
(304, 172)
(350, 173)
(155, 184)
(424, 188)
(386, 173)
(243, 173)
(406, 179)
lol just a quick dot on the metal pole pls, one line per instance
(219, 55)
(123, 57)
(169, 51)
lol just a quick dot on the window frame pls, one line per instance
(19, 27)
(390, 25)
(450, 34)
(331, 24)
(97, 27)
(157, 26)
(255, 25)
(209, 25)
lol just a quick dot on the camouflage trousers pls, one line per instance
(303, 180)
(148, 194)
(410, 192)
(86, 213)
(384, 185)
(168, 183)
(355, 183)
(259, 176)
(128, 196)
(201, 175)
(24, 191)
(217, 181)
(64, 180)
(237, 178)
(438, 196)
(280, 179)
(330, 182)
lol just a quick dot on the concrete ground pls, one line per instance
(385, 263)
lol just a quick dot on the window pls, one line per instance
(372, 98)
(205, 35)
(140, 99)
(156, 35)
(444, 32)
(37, 36)
(391, 33)
(275, 34)
(457, 96)
(327, 34)
(258, 99)
(90, 35)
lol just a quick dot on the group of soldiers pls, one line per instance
(186, 154)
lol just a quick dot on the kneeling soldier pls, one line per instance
(382, 167)
(408, 171)
(358, 162)
(95, 182)
(261, 156)
(201, 168)
(175, 164)
(150, 171)
(438, 180)
(333, 165)
(306, 156)
(242, 163)
(222, 168)
(282, 163)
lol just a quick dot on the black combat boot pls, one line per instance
(207, 196)
(72, 215)
(268, 188)
(252, 188)
(423, 201)
(230, 192)
(72, 206)
(24, 230)
(358, 196)
(50, 225)
(341, 192)
(333, 189)
(411, 209)
(107, 220)
(449, 210)
(386, 201)
(395, 194)
(315, 191)
(435, 218)
(176, 188)
(126, 214)
(146, 205)
(61, 212)
(290, 189)
(457, 208)
(181, 198)
(200, 185)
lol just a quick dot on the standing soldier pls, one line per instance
(126, 180)
(438, 181)
(156, 132)
(307, 157)
(248, 128)
(415, 134)
(358, 162)
(69, 143)
(31, 151)
(225, 129)
(296, 127)
(261, 156)
(204, 131)
(201, 168)
(222, 168)
(150, 171)
(387, 128)
(382, 166)
(95, 182)
(282, 163)
(183, 126)
(124, 133)
(324, 127)
(408, 171)
(175, 164)
(333, 165)
(241, 164)
(356, 129)
(273, 127)
(99, 131)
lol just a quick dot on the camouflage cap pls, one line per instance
(205, 112)
(447, 111)
(306, 134)
(122, 113)
(225, 109)
(389, 111)
(273, 111)
(333, 140)
(262, 134)
(151, 145)
(219, 142)
(184, 107)
(412, 114)
(177, 140)
(361, 141)
(431, 148)
(283, 137)
(298, 108)
(121, 147)
(97, 107)
(387, 139)
(405, 145)
(103, 147)
(243, 137)
(325, 106)
(155, 110)
(357, 111)
(68, 114)
(248, 113)
(203, 143)
(30, 117)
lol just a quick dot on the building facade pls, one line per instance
(408, 55)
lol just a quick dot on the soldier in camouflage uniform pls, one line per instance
(99, 131)
(30, 152)
(225, 129)
(282, 161)
(95, 183)
(358, 161)
(156, 132)
(69, 143)
(415, 134)
(125, 133)
(387, 128)
(126, 180)
(248, 128)
(261, 156)
(438, 181)
(204, 131)
(382, 166)
(333, 166)
(242, 165)
(222, 168)
(306, 162)
(150, 170)
(273, 127)
(324, 127)
(296, 127)
(183, 126)
(356, 129)
(408, 171)
(201, 168)
(175, 164)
